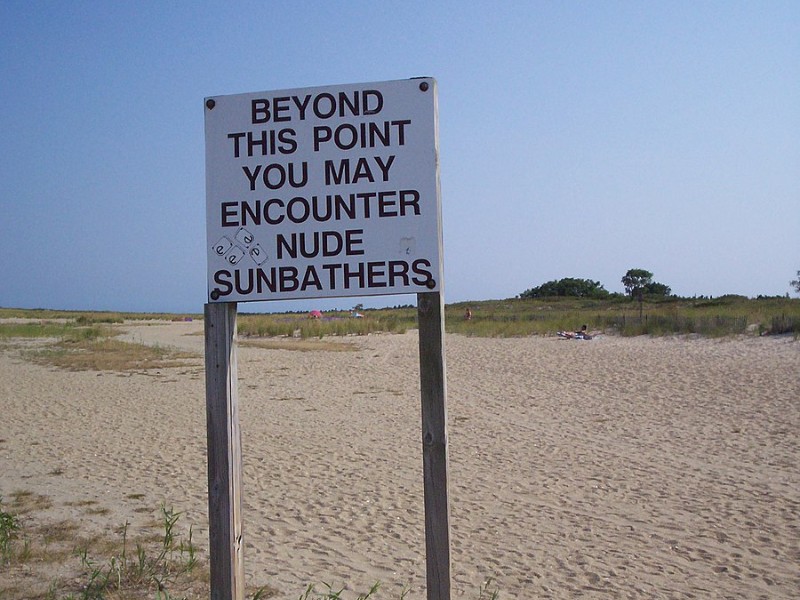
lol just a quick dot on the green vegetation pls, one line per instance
(727, 315)
(47, 329)
(83, 344)
(106, 354)
(516, 317)
(569, 286)
(90, 346)
(390, 320)
(299, 345)
(639, 282)
(172, 560)
(330, 593)
(89, 317)
(9, 526)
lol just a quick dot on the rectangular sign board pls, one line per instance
(323, 192)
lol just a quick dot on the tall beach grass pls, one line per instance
(514, 317)
(727, 315)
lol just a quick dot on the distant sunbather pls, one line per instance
(583, 334)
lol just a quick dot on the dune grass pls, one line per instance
(515, 317)
(43, 329)
(332, 323)
(299, 345)
(106, 354)
(727, 315)
(90, 317)
(84, 343)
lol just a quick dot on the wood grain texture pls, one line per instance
(433, 386)
(224, 453)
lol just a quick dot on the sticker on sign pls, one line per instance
(323, 192)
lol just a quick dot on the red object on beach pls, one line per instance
(315, 314)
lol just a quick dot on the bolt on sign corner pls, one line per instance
(323, 192)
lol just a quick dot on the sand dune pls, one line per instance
(616, 467)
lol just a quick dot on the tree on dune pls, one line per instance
(639, 282)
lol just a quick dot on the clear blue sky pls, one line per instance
(577, 139)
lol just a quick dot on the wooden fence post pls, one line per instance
(224, 453)
(433, 390)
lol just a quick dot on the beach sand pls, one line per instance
(611, 468)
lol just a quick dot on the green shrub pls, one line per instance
(9, 526)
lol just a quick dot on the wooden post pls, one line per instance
(433, 387)
(224, 453)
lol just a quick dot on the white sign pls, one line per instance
(323, 192)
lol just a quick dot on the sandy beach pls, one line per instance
(611, 468)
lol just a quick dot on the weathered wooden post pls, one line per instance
(433, 391)
(224, 453)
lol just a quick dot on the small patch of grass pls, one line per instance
(87, 344)
(485, 592)
(60, 531)
(33, 330)
(25, 501)
(81, 503)
(109, 355)
(64, 331)
(98, 511)
(330, 593)
(9, 528)
(114, 567)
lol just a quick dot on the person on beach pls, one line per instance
(582, 334)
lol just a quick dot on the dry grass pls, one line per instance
(106, 354)
(299, 345)
(85, 317)
(85, 345)
(58, 531)
(24, 502)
